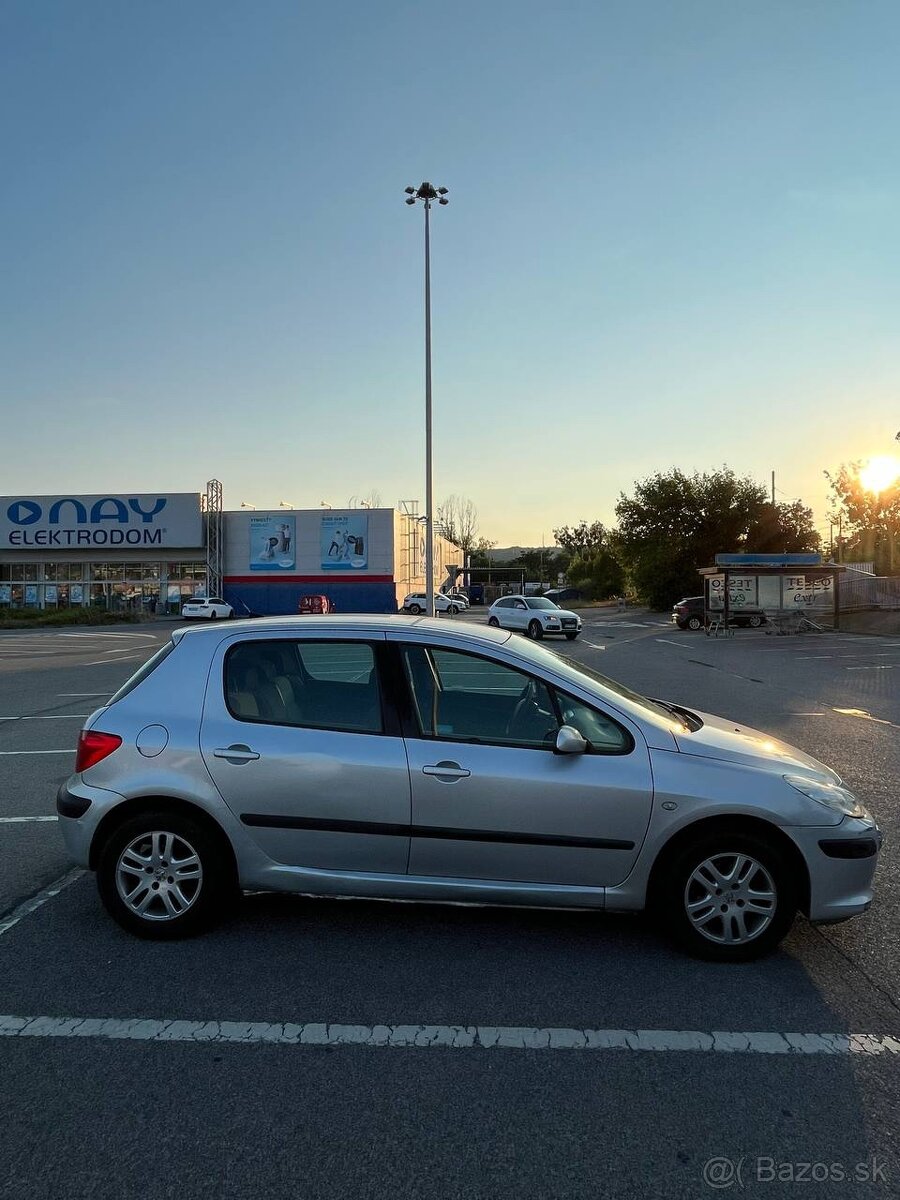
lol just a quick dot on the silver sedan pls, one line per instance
(402, 757)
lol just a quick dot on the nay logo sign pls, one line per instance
(70, 511)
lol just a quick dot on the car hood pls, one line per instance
(736, 743)
(561, 612)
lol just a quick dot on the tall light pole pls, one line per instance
(428, 194)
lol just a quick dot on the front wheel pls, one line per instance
(164, 875)
(728, 897)
(570, 637)
(535, 630)
(492, 621)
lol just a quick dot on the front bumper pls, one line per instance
(841, 860)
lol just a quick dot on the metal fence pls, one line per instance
(874, 591)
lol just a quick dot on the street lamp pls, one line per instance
(428, 194)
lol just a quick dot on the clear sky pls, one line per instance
(672, 239)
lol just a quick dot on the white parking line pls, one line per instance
(24, 820)
(151, 636)
(39, 900)
(12, 753)
(593, 645)
(66, 717)
(450, 1037)
(110, 662)
(82, 693)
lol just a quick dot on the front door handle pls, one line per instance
(237, 753)
(447, 772)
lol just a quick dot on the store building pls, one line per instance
(148, 552)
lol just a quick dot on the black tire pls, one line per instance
(211, 899)
(453, 610)
(494, 622)
(755, 621)
(535, 630)
(694, 623)
(415, 609)
(570, 637)
(213, 616)
(671, 896)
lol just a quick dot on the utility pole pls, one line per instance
(773, 489)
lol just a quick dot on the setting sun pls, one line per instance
(880, 473)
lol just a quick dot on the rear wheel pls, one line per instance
(415, 609)
(164, 875)
(755, 622)
(729, 897)
(213, 615)
(694, 622)
(493, 621)
(453, 610)
(535, 630)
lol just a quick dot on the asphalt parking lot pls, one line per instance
(313, 1048)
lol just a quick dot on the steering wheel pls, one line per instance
(527, 699)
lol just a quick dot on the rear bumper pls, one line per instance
(81, 808)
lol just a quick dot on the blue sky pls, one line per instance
(672, 239)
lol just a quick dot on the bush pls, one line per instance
(23, 618)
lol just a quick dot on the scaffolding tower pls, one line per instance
(212, 509)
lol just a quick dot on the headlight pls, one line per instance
(839, 799)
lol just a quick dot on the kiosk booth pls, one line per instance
(778, 585)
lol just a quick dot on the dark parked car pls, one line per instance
(688, 614)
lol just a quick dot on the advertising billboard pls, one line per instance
(344, 541)
(273, 542)
(87, 522)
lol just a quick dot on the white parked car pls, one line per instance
(417, 602)
(535, 616)
(460, 597)
(206, 608)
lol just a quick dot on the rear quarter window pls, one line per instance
(142, 672)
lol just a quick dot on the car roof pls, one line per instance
(353, 623)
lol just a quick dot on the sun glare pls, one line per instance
(880, 473)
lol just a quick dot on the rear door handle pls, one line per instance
(236, 753)
(447, 771)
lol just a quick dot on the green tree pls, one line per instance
(597, 574)
(581, 537)
(783, 529)
(870, 518)
(676, 523)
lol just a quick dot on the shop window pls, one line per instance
(5, 572)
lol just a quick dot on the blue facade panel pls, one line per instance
(283, 598)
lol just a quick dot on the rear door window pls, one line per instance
(313, 685)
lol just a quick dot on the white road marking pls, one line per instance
(593, 645)
(875, 667)
(672, 642)
(66, 717)
(82, 693)
(11, 753)
(123, 650)
(110, 662)
(39, 900)
(450, 1037)
(151, 636)
(24, 820)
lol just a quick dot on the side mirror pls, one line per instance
(569, 741)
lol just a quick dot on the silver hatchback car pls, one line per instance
(399, 757)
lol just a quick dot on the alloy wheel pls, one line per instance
(730, 898)
(159, 876)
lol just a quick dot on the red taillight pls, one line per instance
(93, 747)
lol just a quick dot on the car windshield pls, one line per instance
(564, 665)
(540, 602)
